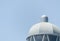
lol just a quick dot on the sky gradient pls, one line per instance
(17, 16)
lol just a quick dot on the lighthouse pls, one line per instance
(44, 31)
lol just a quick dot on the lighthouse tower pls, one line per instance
(44, 31)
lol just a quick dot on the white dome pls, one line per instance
(44, 28)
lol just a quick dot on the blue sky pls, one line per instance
(17, 16)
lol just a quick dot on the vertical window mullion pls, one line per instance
(34, 38)
(48, 38)
(43, 38)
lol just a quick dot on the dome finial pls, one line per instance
(44, 18)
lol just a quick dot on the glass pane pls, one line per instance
(32, 38)
(38, 37)
(57, 38)
(45, 38)
(52, 37)
(28, 39)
